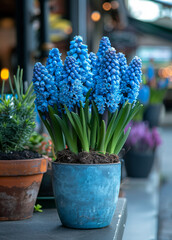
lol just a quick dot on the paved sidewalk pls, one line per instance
(142, 200)
(165, 212)
(165, 199)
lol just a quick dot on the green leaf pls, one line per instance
(95, 110)
(122, 141)
(110, 128)
(70, 118)
(2, 90)
(93, 137)
(21, 82)
(80, 132)
(70, 141)
(119, 125)
(88, 94)
(48, 127)
(58, 136)
(86, 112)
(102, 137)
(84, 124)
(11, 86)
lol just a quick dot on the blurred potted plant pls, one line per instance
(86, 103)
(153, 110)
(142, 143)
(21, 170)
(42, 144)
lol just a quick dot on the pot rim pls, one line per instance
(28, 160)
(23, 167)
(83, 164)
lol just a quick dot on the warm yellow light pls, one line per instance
(106, 6)
(4, 73)
(114, 5)
(95, 16)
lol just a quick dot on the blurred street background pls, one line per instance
(29, 28)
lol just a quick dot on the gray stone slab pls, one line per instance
(165, 212)
(46, 225)
(142, 203)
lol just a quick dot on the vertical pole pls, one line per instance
(79, 18)
(22, 38)
(44, 28)
(25, 41)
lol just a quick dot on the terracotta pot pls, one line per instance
(19, 185)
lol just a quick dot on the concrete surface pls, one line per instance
(142, 203)
(47, 226)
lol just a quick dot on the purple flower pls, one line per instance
(142, 138)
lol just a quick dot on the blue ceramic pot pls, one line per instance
(86, 195)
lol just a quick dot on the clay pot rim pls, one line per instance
(23, 167)
(91, 164)
(27, 160)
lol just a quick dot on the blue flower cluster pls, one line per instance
(93, 61)
(103, 47)
(70, 86)
(79, 51)
(107, 90)
(44, 87)
(54, 64)
(107, 73)
(122, 64)
(130, 84)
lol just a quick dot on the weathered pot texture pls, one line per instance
(86, 194)
(139, 164)
(19, 185)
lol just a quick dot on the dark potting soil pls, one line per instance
(17, 155)
(92, 157)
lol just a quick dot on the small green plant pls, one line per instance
(42, 144)
(157, 95)
(37, 208)
(16, 115)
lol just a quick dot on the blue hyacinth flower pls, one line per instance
(130, 84)
(103, 47)
(107, 90)
(122, 64)
(71, 90)
(79, 51)
(54, 64)
(44, 87)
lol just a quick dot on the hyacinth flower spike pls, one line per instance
(54, 64)
(130, 83)
(122, 64)
(71, 90)
(108, 83)
(103, 47)
(46, 100)
(44, 87)
(79, 51)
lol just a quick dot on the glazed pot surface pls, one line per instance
(86, 194)
(19, 184)
(138, 165)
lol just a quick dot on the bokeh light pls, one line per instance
(4, 73)
(95, 16)
(114, 5)
(106, 6)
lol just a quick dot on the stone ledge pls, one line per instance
(46, 225)
(143, 207)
